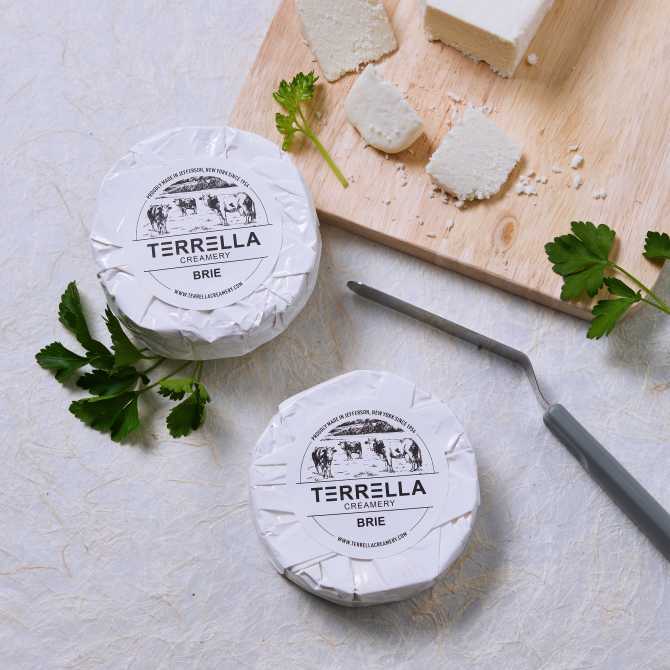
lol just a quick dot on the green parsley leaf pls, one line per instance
(286, 128)
(290, 96)
(303, 86)
(582, 258)
(60, 360)
(125, 352)
(176, 388)
(619, 288)
(106, 383)
(71, 315)
(608, 313)
(117, 415)
(657, 246)
(188, 415)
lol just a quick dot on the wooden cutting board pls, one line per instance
(603, 82)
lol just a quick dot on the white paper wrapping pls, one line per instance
(259, 312)
(296, 544)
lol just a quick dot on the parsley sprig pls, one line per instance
(119, 376)
(583, 260)
(291, 95)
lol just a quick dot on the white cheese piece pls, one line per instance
(496, 32)
(577, 181)
(556, 169)
(533, 59)
(207, 242)
(364, 489)
(577, 161)
(474, 159)
(345, 34)
(377, 109)
(600, 194)
(525, 187)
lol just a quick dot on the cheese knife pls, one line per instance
(630, 496)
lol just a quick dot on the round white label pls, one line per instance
(204, 237)
(366, 483)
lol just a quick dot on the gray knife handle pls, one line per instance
(631, 497)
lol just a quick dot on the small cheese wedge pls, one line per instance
(474, 159)
(377, 109)
(345, 34)
(496, 31)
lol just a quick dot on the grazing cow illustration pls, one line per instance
(246, 208)
(387, 452)
(240, 204)
(187, 205)
(379, 448)
(158, 216)
(412, 453)
(323, 461)
(350, 448)
(215, 205)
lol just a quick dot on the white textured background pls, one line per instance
(144, 556)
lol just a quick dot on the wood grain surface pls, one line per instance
(602, 82)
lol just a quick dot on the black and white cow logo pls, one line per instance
(351, 448)
(322, 458)
(405, 449)
(187, 206)
(158, 216)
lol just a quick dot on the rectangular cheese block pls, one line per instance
(474, 159)
(496, 31)
(345, 34)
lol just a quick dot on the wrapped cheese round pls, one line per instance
(364, 489)
(207, 241)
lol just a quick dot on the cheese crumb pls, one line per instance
(577, 161)
(525, 186)
(454, 97)
(600, 194)
(573, 147)
(556, 169)
(533, 59)
(577, 181)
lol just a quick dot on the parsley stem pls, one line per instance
(653, 304)
(162, 379)
(197, 371)
(150, 356)
(324, 152)
(658, 302)
(160, 361)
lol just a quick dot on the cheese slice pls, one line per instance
(474, 159)
(207, 242)
(345, 34)
(377, 109)
(496, 31)
(364, 489)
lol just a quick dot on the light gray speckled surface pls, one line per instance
(144, 556)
